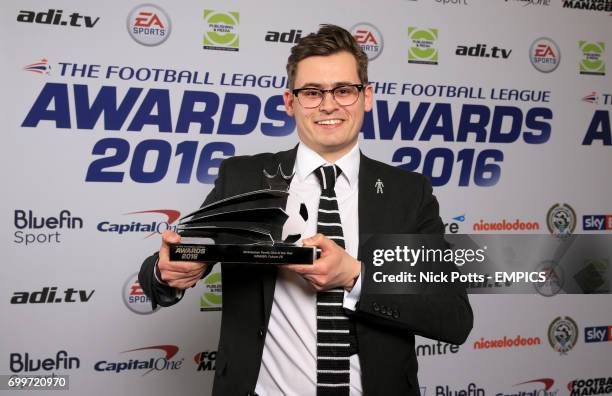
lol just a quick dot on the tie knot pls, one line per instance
(327, 176)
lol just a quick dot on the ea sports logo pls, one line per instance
(148, 25)
(545, 55)
(134, 297)
(369, 39)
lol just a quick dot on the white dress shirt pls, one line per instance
(289, 361)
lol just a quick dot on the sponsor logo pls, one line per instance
(23, 363)
(456, 2)
(32, 229)
(598, 334)
(506, 225)
(593, 276)
(212, 297)
(526, 3)
(590, 386)
(563, 334)
(151, 228)
(554, 278)
(483, 51)
(205, 361)
(146, 364)
(292, 36)
(50, 295)
(40, 67)
(597, 222)
(592, 62)
(590, 5)
(149, 25)
(591, 98)
(57, 18)
(561, 220)
(470, 390)
(545, 55)
(439, 348)
(134, 297)
(369, 38)
(542, 387)
(423, 49)
(452, 227)
(221, 30)
(505, 342)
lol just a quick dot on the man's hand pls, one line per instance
(179, 274)
(335, 268)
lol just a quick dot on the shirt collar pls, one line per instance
(307, 161)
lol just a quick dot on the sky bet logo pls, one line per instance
(597, 222)
(163, 363)
(151, 228)
(598, 334)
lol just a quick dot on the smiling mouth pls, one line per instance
(329, 122)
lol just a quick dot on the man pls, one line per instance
(274, 338)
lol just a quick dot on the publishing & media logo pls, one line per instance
(592, 62)
(221, 30)
(423, 46)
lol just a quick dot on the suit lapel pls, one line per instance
(369, 200)
(286, 159)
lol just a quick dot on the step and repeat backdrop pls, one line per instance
(117, 114)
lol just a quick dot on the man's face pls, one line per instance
(330, 129)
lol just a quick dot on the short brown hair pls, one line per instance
(329, 40)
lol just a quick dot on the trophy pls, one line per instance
(246, 228)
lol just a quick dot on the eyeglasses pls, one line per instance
(344, 95)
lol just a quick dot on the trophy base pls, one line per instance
(245, 254)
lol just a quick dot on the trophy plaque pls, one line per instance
(246, 228)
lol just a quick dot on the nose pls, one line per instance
(328, 104)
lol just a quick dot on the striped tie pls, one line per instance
(336, 340)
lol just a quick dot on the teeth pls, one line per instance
(329, 122)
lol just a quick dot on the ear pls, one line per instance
(368, 94)
(289, 100)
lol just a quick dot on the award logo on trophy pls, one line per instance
(246, 228)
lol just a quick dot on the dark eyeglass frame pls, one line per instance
(332, 91)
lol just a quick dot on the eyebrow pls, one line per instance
(317, 85)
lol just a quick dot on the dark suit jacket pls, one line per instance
(385, 323)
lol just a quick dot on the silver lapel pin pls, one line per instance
(379, 186)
